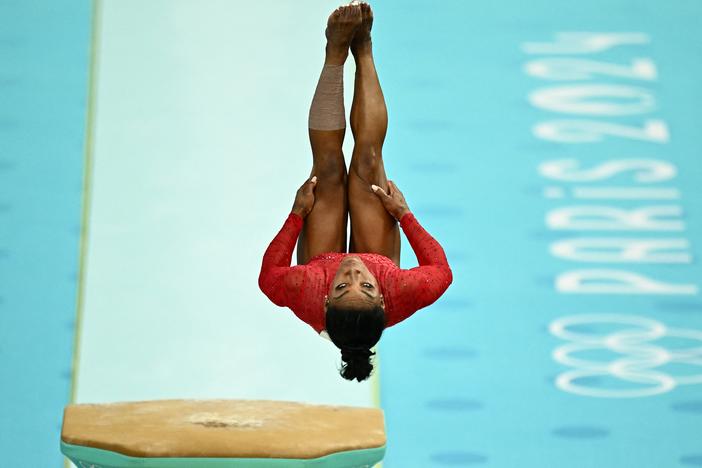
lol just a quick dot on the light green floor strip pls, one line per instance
(194, 173)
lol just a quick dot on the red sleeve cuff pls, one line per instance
(296, 219)
(406, 219)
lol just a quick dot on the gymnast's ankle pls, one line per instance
(335, 55)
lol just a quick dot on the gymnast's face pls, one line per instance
(354, 285)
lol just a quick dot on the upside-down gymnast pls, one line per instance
(350, 298)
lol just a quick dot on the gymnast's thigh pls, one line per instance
(373, 229)
(324, 229)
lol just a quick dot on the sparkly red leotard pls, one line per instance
(302, 288)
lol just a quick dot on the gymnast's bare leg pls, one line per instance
(373, 229)
(325, 227)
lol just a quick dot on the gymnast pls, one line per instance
(350, 298)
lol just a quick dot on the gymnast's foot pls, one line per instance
(341, 26)
(361, 42)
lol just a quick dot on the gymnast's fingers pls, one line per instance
(393, 188)
(380, 192)
(309, 185)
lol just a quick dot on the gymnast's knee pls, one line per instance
(367, 162)
(330, 169)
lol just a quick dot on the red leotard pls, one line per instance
(302, 288)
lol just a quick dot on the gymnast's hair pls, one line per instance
(355, 331)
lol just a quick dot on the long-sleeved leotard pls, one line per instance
(302, 288)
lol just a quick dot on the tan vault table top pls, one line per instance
(223, 428)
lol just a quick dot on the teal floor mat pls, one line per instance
(87, 457)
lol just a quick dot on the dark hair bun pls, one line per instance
(358, 365)
(355, 331)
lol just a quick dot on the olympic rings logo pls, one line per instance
(634, 339)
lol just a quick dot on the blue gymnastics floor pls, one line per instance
(44, 63)
(551, 148)
(554, 347)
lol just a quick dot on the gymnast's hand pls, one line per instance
(304, 199)
(393, 201)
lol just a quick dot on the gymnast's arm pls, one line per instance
(427, 249)
(420, 286)
(429, 252)
(276, 276)
(276, 261)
